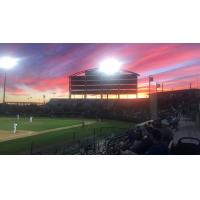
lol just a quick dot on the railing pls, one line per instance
(78, 144)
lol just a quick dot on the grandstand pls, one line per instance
(22, 103)
(188, 99)
(175, 131)
(105, 126)
(94, 82)
(186, 94)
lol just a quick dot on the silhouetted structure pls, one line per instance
(93, 82)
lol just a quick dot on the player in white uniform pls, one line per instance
(31, 119)
(17, 116)
(14, 127)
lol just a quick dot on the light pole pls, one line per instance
(7, 63)
(150, 80)
(162, 87)
(44, 96)
(4, 88)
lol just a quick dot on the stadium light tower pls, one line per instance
(110, 66)
(7, 63)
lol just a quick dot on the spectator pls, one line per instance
(158, 148)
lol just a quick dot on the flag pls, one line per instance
(157, 85)
(150, 78)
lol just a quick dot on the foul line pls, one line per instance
(32, 133)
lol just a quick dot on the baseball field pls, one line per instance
(50, 131)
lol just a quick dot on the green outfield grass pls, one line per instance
(38, 124)
(22, 145)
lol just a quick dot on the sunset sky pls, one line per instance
(43, 68)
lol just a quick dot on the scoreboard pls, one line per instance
(94, 82)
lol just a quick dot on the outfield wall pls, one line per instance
(129, 110)
(121, 109)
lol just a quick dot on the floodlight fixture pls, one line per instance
(110, 66)
(8, 62)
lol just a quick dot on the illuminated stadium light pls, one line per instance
(8, 62)
(110, 66)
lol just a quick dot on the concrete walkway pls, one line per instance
(187, 128)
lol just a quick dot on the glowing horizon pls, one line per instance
(44, 67)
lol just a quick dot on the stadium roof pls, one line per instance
(180, 91)
(94, 70)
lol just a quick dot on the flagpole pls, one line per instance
(149, 86)
(150, 80)
(156, 88)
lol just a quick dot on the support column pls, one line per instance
(153, 106)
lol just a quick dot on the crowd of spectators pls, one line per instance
(151, 138)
